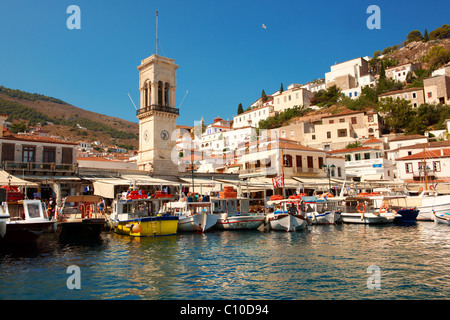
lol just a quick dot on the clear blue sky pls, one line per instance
(225, 55)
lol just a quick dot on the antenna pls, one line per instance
(157, 45)
(132, 101)
(183, 98)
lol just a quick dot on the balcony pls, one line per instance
(39, 167)
(155, 107)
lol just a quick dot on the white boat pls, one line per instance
(361, 210)
(429, 201)
(443, 218)
(286, 215)
(27, 221)
(4, 217)
(320, 211)
(193, 216)
(234, 214)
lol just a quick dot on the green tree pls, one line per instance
(426, 38)
(240, 109)
(281, 88)
(440, 33)
(355, 144)
(264, 96)
(436, 57)
(414, 35)
(326, 98)
(397, 113)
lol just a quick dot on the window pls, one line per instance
(356, 94)
(314, 137)
(320, 162)
(339, 172)
(7, 152)
(310, 162)
(357, 156)
(287, 160)
(367, 156)
(437, 166)
(67, 155)
(429, 94)
(298, 161)
(414, 95)
(370, 118)
(354, 120)
(405, 96)
(348, 157)
(28, 153)
(331, 121)
(328, 134)
(292, 133)
(350, 94)
(408, 168)
(342, 120)
(342, 133)
(49, 155)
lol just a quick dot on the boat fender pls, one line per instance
(431, 188)
(136, 228)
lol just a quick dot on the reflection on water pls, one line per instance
(322, 262)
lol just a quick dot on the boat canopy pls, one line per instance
(84, 198)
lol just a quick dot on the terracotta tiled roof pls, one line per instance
(36, 138)
(352, 150)
(430, 154)
(407, 137)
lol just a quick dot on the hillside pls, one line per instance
(60, 119)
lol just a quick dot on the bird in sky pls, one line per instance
(264, 26)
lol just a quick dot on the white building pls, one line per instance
(399, 73)
(252, 117)
(293, 96)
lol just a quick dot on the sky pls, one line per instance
(225, 55)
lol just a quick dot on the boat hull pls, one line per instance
(148, 227)
(197, 223)
(368, 218)
(442, 218)
(86, 228)
(21, 232)
(328, 217)
(241, 222)
(407, 215)
(288, 222)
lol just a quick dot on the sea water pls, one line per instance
(331, 262)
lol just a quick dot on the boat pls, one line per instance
(427, 202)
(397, 203)
(23, 221)
(442, 218)
(286, 215)
(142, 217)
(80, 217)
(233, 213)
(192, 216)
(362, 210)
(320, 211)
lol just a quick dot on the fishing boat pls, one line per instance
(362, 210)
(320, 211)
(80, 217)
(143, 217)
(442, 218)
(233, 213)
(427, 202)
(25, 221)
(286, 215)
(396, 202)
(192, 216)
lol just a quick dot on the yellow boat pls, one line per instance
(143, 218)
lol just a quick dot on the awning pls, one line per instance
(6, 178)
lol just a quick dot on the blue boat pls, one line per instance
(407, 215)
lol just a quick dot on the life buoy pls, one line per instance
(363, 208)
(384, 208)
(431, 188)
(420, 189)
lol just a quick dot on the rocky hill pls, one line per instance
(62, 119)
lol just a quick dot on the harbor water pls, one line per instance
(342, 262)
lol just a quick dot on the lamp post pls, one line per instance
(327, 169)
(192, 169)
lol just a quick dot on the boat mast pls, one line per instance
(425, 169)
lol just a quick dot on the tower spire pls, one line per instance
(157, 42)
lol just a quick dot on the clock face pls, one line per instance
(164, 135)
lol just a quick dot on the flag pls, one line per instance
(278, 181)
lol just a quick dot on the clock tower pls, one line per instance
(157, 115)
